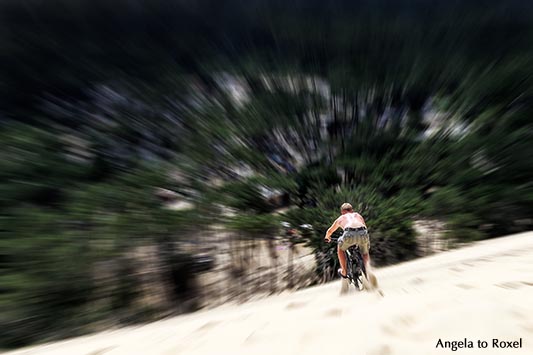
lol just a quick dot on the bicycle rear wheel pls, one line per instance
(357, 277)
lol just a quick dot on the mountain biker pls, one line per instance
(355, 233)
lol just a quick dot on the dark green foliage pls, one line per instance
(57, 225)
(255, 226)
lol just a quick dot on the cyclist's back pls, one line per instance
(351, 220)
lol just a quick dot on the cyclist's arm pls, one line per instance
(332, 229)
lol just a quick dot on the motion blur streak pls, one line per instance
(479, 292)
(151, 149)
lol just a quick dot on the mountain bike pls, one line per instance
(356, 272)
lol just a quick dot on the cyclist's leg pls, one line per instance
(364, 247)
(366, 260)
(342, 260)
(370, 275)
(363, 242)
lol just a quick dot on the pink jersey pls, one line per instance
(351, 220)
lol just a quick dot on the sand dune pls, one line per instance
(480, 292)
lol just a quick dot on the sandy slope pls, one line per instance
(479, 292)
